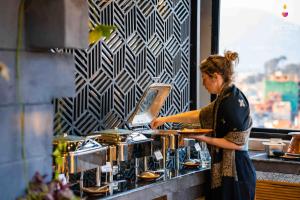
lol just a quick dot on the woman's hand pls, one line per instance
(198, 137)
(185, 117)
(156, 122)
(219, 142)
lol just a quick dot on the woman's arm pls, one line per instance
(186, 117)
(219, 142)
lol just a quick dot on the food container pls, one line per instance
(149, 176)
(81, 154)
(129, 144)
(275, 145)
(195, 131)
(191, 164)
(294, 146)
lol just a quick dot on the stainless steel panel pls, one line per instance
(122, 152)
(150, 104)
(81, 154)
(173, 140)
(128, 144)
(112, 153)
(188, 142)
(130, 151)
(82, 161)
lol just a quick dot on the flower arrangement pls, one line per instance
(38, 189)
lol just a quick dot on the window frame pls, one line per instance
(255, 132)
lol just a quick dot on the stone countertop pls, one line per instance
(277, 165)
(186, 182)
(262, 156)
(275, 169)
(280, 177)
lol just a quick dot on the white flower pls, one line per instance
(4, 71)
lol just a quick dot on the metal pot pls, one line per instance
(129, 144)
(80, 154)
(271, 147)
(294, 146)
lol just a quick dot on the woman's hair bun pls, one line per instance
(231, 56)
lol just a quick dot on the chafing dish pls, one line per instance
(80, 154)
(173, 145)
(147, 109)
(129, 144)
(125, 146)
(274, 148)
(133, 144)
(173, 139)
(188, 143)
(167, 142)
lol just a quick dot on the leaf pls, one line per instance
(56, 152)
(100, 32)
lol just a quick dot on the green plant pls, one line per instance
(58, 157)
(99, 31)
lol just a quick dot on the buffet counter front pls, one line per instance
(277, 177)
(265, 163)
(187, 184)
(190, 184)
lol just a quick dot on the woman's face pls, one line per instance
(212, 83)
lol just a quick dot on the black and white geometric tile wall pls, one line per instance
(152, 40)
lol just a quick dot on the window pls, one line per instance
(266, 34)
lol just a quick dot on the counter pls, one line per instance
(188, 184)
(266, 164)
(276, 169)
(277, 178)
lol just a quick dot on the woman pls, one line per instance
(232, 172)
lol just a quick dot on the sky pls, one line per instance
(274, 7)
(257, 30)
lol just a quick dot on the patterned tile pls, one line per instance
(151, 42)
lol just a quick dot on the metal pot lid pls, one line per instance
(150, 104)
(68, 138)
(135, 137)
(88, 144)
(116, 131)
